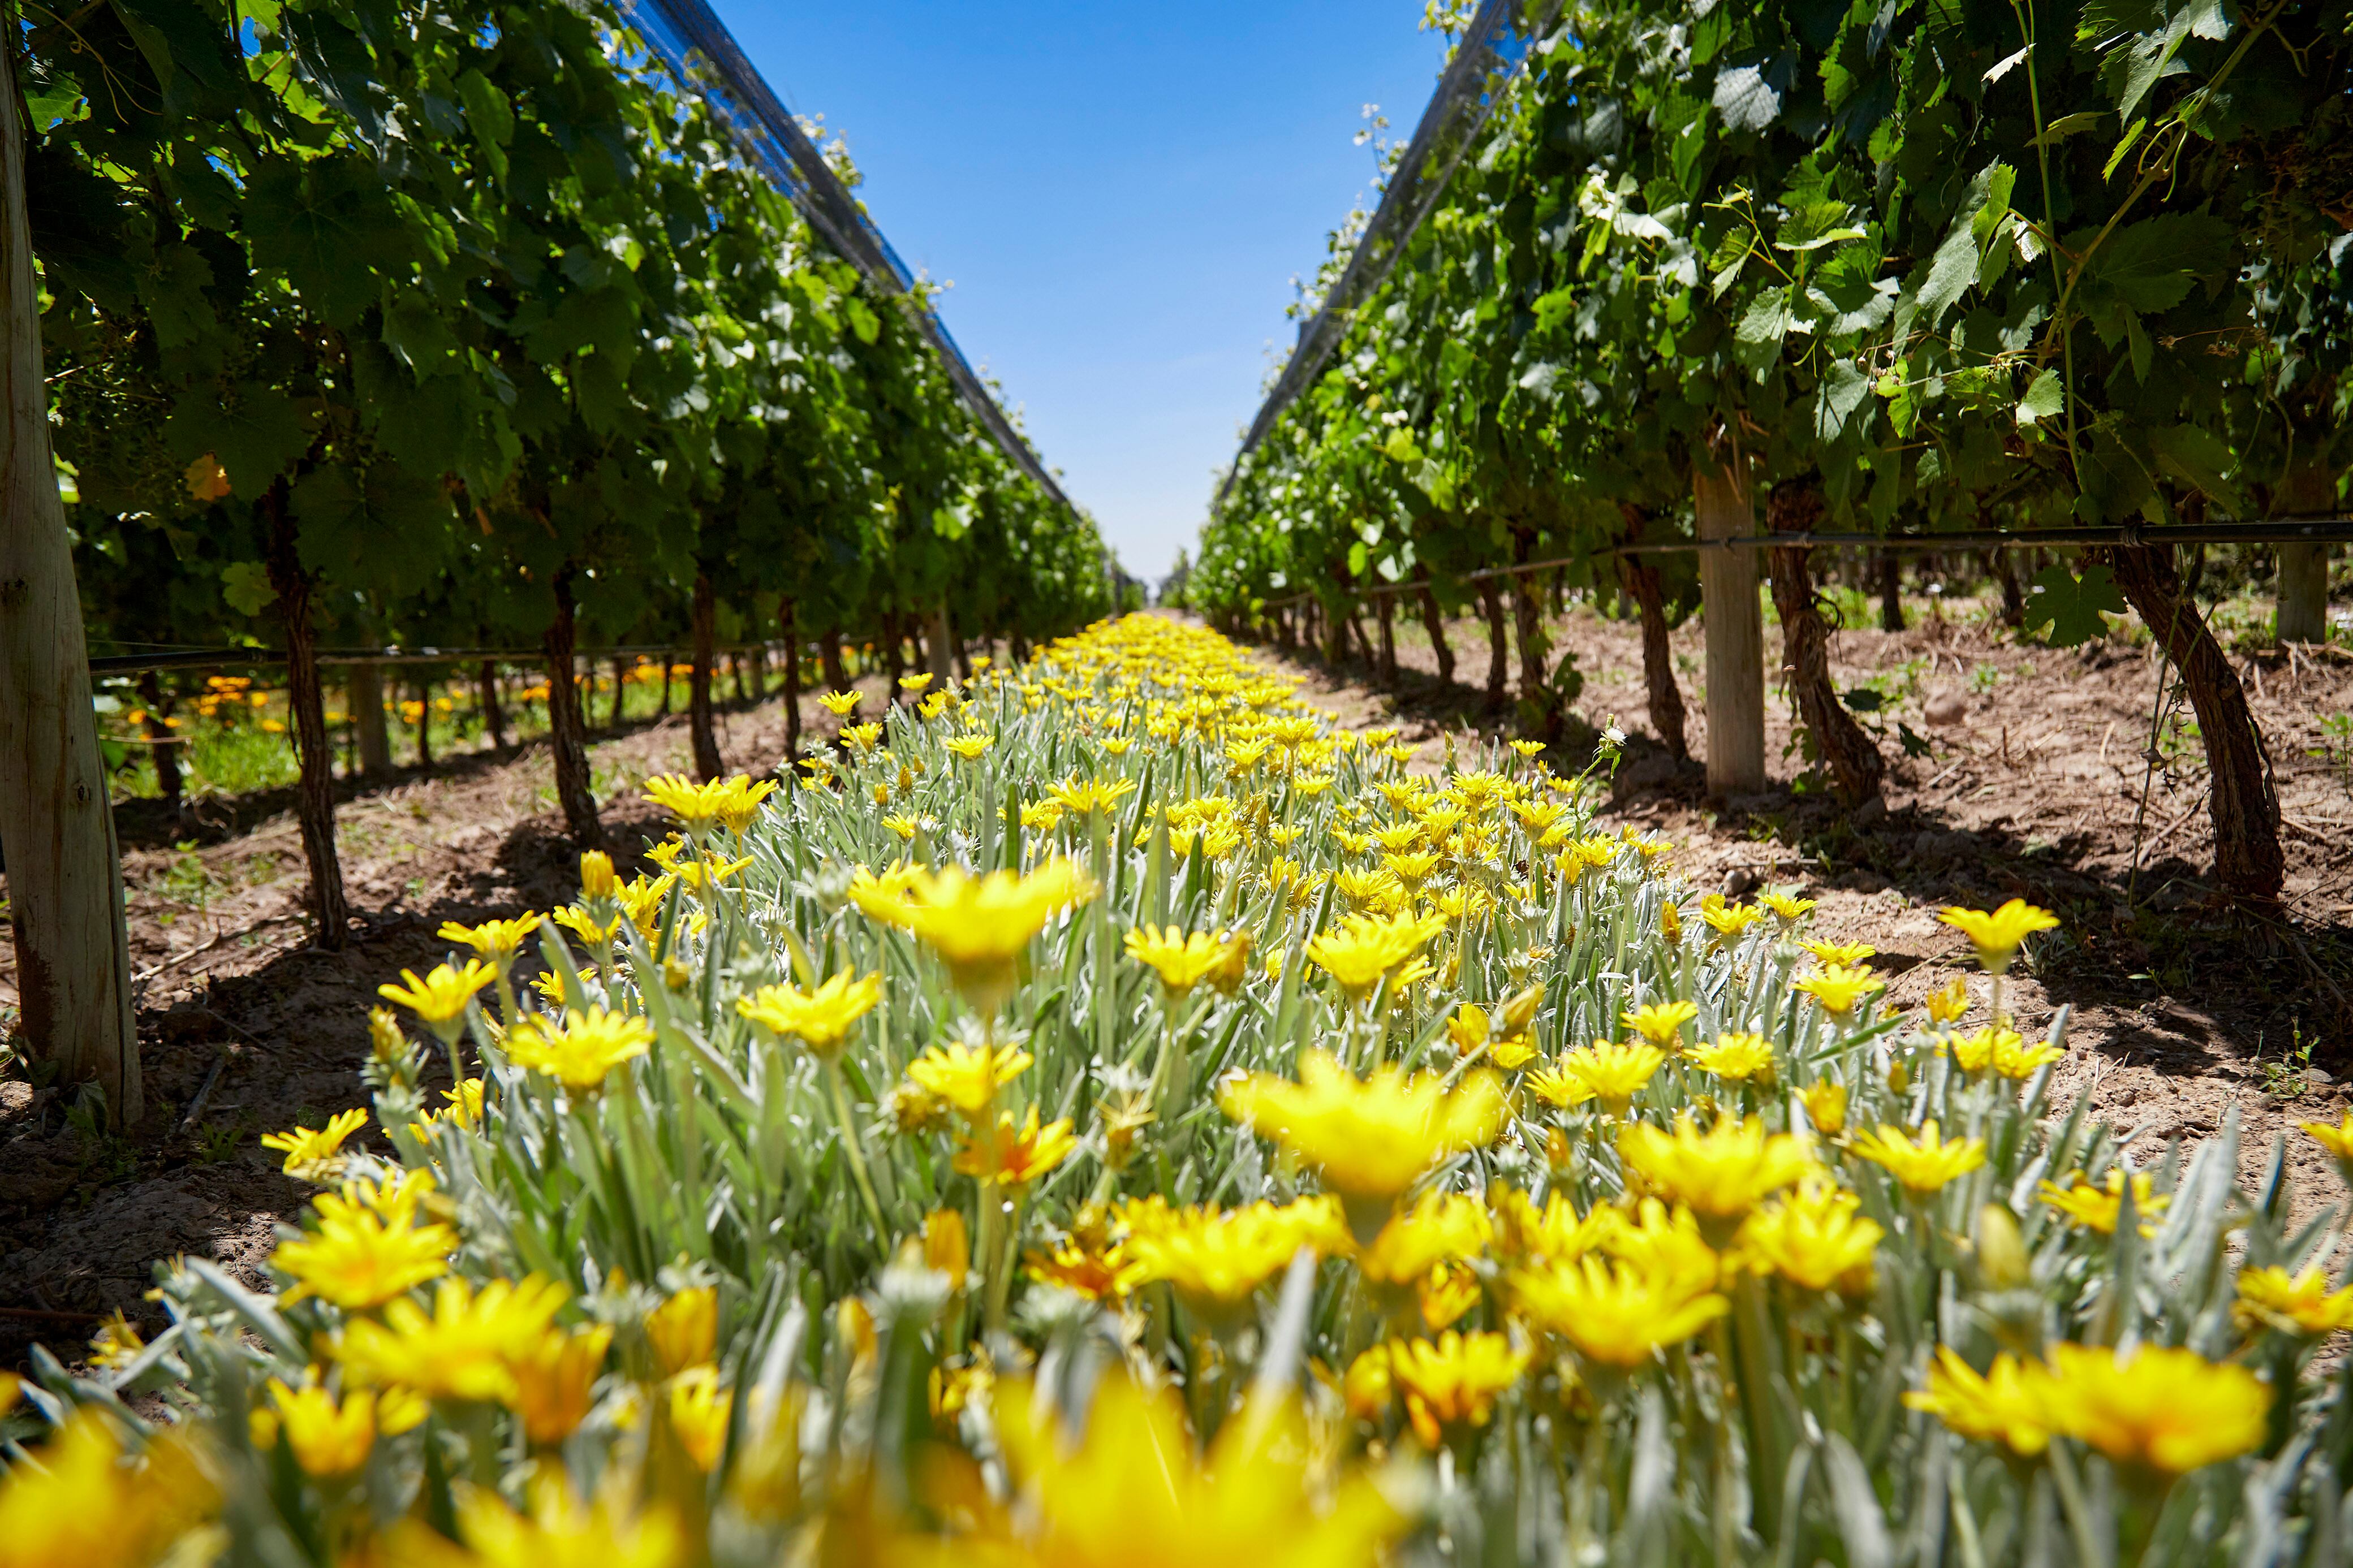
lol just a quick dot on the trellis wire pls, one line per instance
(2263, 531)
(258, 658)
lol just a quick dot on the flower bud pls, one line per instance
(597, 875)
(946, 1245)
(1368, 1385)
(1519, 1013)
(2003, 1260)
(385, 1035)
(1825, 1104)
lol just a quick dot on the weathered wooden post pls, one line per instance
(65, 873)
(1734, 621)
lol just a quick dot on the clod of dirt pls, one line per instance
(1947, 706)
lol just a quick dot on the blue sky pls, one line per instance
(1120, 195)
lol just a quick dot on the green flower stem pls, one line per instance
(450, 1034)
(1769, 1458)
(1099, 839)
(1965, 1518)
(850, 1147)
(1001, 1255)
(1584, 1499)
(1171, 1075)
(987, 1245)
(2089, 1551)
(508, 1011)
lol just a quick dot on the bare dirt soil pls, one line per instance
(2180, 1012)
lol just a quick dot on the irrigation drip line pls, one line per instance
(1464, 100)
(226, 658)
(687, 35)
(2264, 530)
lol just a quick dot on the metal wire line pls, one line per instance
(2261, 531)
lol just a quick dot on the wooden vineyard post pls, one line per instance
(937, 640)
(2302, 592)
(364, 691)
(486, 690)
(707, 763)
(57, 826)
(1734, 621)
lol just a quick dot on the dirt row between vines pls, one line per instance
(2179, 1015)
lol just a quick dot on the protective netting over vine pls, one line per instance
(694, 43)
(1498, 39)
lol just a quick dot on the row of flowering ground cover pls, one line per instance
(1106, 1115)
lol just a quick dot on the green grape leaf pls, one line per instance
(1749, 95)
(150, 39)
(1954, 268)
(327, 224)
(1850, 304)
(490, 117)
(1756, 342)
(2071, 606)
(2151, 265)
(254, 436)
(2195, 455)
(173, 292)
(2044, 399)
(1844, 389)
(246, 586)
(416, 331)
(49, 99)
(349, 520)
(2114, 478)
(2067, 125)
